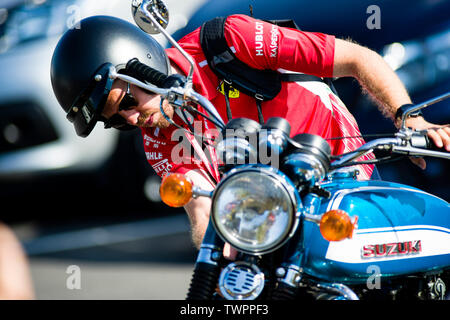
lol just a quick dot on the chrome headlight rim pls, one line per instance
(288, 187)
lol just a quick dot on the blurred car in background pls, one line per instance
(412, 36)
(42, 160)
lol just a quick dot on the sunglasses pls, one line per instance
(116, 121)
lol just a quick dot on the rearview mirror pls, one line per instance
(156, 8)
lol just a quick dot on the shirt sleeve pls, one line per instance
(263, 45)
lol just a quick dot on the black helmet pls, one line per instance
(84, 57)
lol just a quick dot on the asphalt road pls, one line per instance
(105, 280)
(139, 259)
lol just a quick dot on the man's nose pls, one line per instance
(131, 116)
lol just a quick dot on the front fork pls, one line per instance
(289, 273)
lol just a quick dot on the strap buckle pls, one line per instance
(259, 97)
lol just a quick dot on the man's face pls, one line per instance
(146, 113)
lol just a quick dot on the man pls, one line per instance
(309, 107)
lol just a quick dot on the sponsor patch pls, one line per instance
(162, 167)
(232, 93)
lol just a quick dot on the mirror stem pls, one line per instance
(421, 106)
(145, 11)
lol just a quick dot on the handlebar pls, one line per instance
(406, 142)
(384, 143)
(143, 72)
(420, 145)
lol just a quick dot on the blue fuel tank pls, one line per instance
(401, 230)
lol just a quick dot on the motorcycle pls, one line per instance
(307, 228)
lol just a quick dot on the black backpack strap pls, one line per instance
(225, 65)
(212, 41)
(259, 107)
(226, 92)
(294, 77)
(286, 23)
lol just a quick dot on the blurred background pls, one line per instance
(94, 202)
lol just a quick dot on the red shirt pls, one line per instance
(310, 107)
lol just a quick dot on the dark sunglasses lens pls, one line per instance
(128, 102)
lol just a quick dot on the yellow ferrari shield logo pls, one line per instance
(233, 93)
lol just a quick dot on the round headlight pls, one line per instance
(254, 210)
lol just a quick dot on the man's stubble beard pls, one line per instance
(161, 121)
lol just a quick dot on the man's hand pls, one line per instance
(439, 134)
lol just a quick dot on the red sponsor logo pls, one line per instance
(392, 249)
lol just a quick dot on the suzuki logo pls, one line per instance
(392, 249)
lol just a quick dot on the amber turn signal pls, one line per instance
(336, 225)
(175, 190)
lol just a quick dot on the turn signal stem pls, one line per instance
(197, 192)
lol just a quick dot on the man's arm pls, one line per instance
(382, 83)
(373, 73)
(198, 209)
